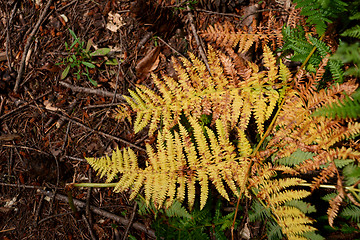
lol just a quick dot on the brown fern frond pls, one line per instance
(294, 17)
(334, 208)
(323, 176)
(225, 35)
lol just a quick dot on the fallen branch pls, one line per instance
(92, 91)
(27, 46)
(121, 220)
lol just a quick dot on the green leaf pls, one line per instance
(112, 62)
(93, 82)
(76, 40)
(65, 72)
(90, 65)
(313, 236)
(100, 52)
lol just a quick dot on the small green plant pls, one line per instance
(176, 222)
(81, 58)
(183, 5)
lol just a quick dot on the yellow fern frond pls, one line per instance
(244, 146)
(270, 63)
(275, 195)
(288, 195)
(197, 92)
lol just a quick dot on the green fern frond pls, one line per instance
(347, 108)
(301, 205)
(335, 66)
(177, 210)
(351, 173)
(336, 70)
(351, 212)
(352, 32)
(349, 53)
(295, 158)
(273, 231)
(259, 212)
(313, 236)
(320, 12)
(295, 41)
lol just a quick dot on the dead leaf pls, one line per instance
(147, 64)
(2, 56)
(50, 67)
(50, 107)
(115, 22)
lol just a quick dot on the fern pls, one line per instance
(349, 53)
(295, 41)
(313, 236)
(225, 35)
(321, 12)
(273, 230)
(351, 173)
(295, 158)
(335, 66)
(274, 193)
(197, 93)
(352, 32)
(351, 212)
(348, 108)
(259, 212)
(174, 169)
(177, 210)
(201, 223)
(195, 118)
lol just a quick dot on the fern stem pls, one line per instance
(252, 155)
(311, 53)
(269, 129)
(95, 184)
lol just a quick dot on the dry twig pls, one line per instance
(130, 222)
(27, 46)
(89, 227)
(197, 39)
(92, 91)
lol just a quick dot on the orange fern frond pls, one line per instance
(225, 35)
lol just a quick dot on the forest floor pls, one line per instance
(50, 122)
